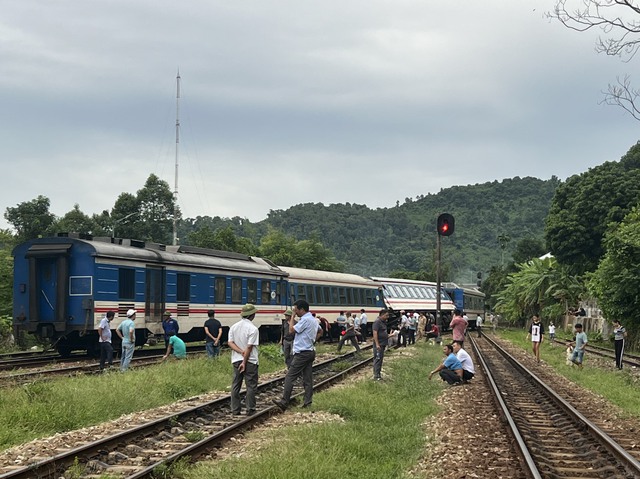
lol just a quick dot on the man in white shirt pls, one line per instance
(363, 324)
(243, 341)
(468, 371)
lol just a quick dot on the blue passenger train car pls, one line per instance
(469, 300)
(64, 285)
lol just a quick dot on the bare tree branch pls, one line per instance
(618, 19)
(624, 96)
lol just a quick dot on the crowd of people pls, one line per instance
(301, 329)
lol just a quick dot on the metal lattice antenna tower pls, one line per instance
(175, 189)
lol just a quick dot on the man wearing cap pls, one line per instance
(286, 338)
(307, 331)
(106, 349)
(127, 333)
(243, 341)
(169, 325)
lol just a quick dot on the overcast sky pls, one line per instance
(287, 102)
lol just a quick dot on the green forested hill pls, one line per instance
(379, 241)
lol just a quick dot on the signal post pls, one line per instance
(445, 226)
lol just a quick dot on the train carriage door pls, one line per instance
(48, 287)
(154, 296)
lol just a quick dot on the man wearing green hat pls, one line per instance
(286, 338)
(243, 341)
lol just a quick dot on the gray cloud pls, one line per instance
(287, 102)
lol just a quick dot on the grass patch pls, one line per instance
(618, 387)
(43, 408)
(382, 432)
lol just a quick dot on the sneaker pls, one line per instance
(251, 412)
(280, 404)
(236, 413)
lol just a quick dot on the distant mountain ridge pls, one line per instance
(376, 242)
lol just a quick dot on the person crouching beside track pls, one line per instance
(243, 341)
(178, 346)
(307, 331)
(451, 368)
(468, 370)
(349, 334)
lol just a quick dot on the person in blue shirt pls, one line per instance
(307, 331)
(580, 342)
(169, 325)
(451, 368)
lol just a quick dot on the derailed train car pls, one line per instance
(64, 285)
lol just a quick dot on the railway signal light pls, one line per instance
(446, 224)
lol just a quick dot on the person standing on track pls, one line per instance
(213, 332)
(578, 351)
(243, 341)
(127, 333)
(363, 325)
(536, 332)
(479, 325)
(458, 326)
(169, 325)
(380, 342)
(307, 331)
(619, 333)
(286, 338)
(106, 348)
(552, 333)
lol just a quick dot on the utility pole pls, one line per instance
(175, 189)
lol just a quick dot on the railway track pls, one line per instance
(138, 452)
(555, 440)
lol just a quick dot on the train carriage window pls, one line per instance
(326, 293)
(236, 290)
(362, 296)
(266, 291)
(317, 294)
(126, 283)
(252, 291)
(391, 291)
(343, 295)
(335, 297)
(414, 292)
(311, 299)
(183, 287)
(278, 292)
(221, 290)
(302, 293)
(422, 294)
(430, 293)
(405, 291)
(350, 299)
(369, 297)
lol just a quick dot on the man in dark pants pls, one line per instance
(380, 342)
(106, 348)
(307, 331)
(243, 341)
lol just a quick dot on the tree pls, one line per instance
(31, 219)
(620, 22)
(528, 248)
(7, 242)
(540, 286)
(125, 221)
(75, 221)
(586, 206)
(616, 281)
(157, 210)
